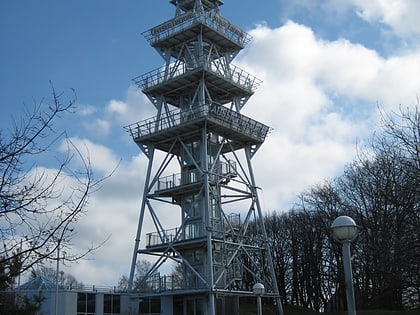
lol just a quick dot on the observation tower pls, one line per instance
(200, 199)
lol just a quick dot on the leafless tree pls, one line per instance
(139, 285)
(380, 190)
(40, 206)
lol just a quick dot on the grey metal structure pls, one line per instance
(199, 148)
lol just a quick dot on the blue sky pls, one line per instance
(326, 65)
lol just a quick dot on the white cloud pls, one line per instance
(297, 57)
(100, 123)
(359, 73)
(85, 110)
(135, 107)
(116, 107)
(101, 158)
(401, 15)
(320, 97)
(99, 127)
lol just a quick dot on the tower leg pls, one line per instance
(261, 222)
(141, 218)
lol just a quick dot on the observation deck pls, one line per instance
(159, 240)
(237, 128)
(181, 78)
(179, 184)
(187, 26)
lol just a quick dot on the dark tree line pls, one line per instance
(380, 190)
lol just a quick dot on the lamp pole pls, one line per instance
(56, 276)
(344, 230)
(348, 274)
(258, 290)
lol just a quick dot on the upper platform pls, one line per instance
(179, 78)
(239, 129)
(187, 26)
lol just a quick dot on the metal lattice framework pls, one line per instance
(199, 148)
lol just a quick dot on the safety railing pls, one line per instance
(224, 170)
(232, 119)
(162, 237)
(193, 229)
(161, 283)
(168, 182)
(177, 69)
(189, 19)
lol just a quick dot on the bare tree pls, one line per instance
(39, 206)
(140, 285)
(380, 190)
(402, 133)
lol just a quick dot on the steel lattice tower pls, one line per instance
(199, 149)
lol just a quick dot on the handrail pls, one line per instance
(177, 117)
(165, 237)
(174, 235)
(189, 19)
(223, 170)
(82, 288)
(161, 283)
(177, 69)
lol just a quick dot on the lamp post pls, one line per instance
(258, 290)
(56, 276)
(344, 230)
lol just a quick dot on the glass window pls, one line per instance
(190, 307)
(217, 256)
(149, 306)
(213, 149)
(199, 307)
(192, 206)
(86, 303)
(195, 307)
(155, 305)
(144, 306)
(198, 255)
(191, 176)
(214, 207)
(192, 230)
(111, 304)
(197, 205)
(192, 150)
